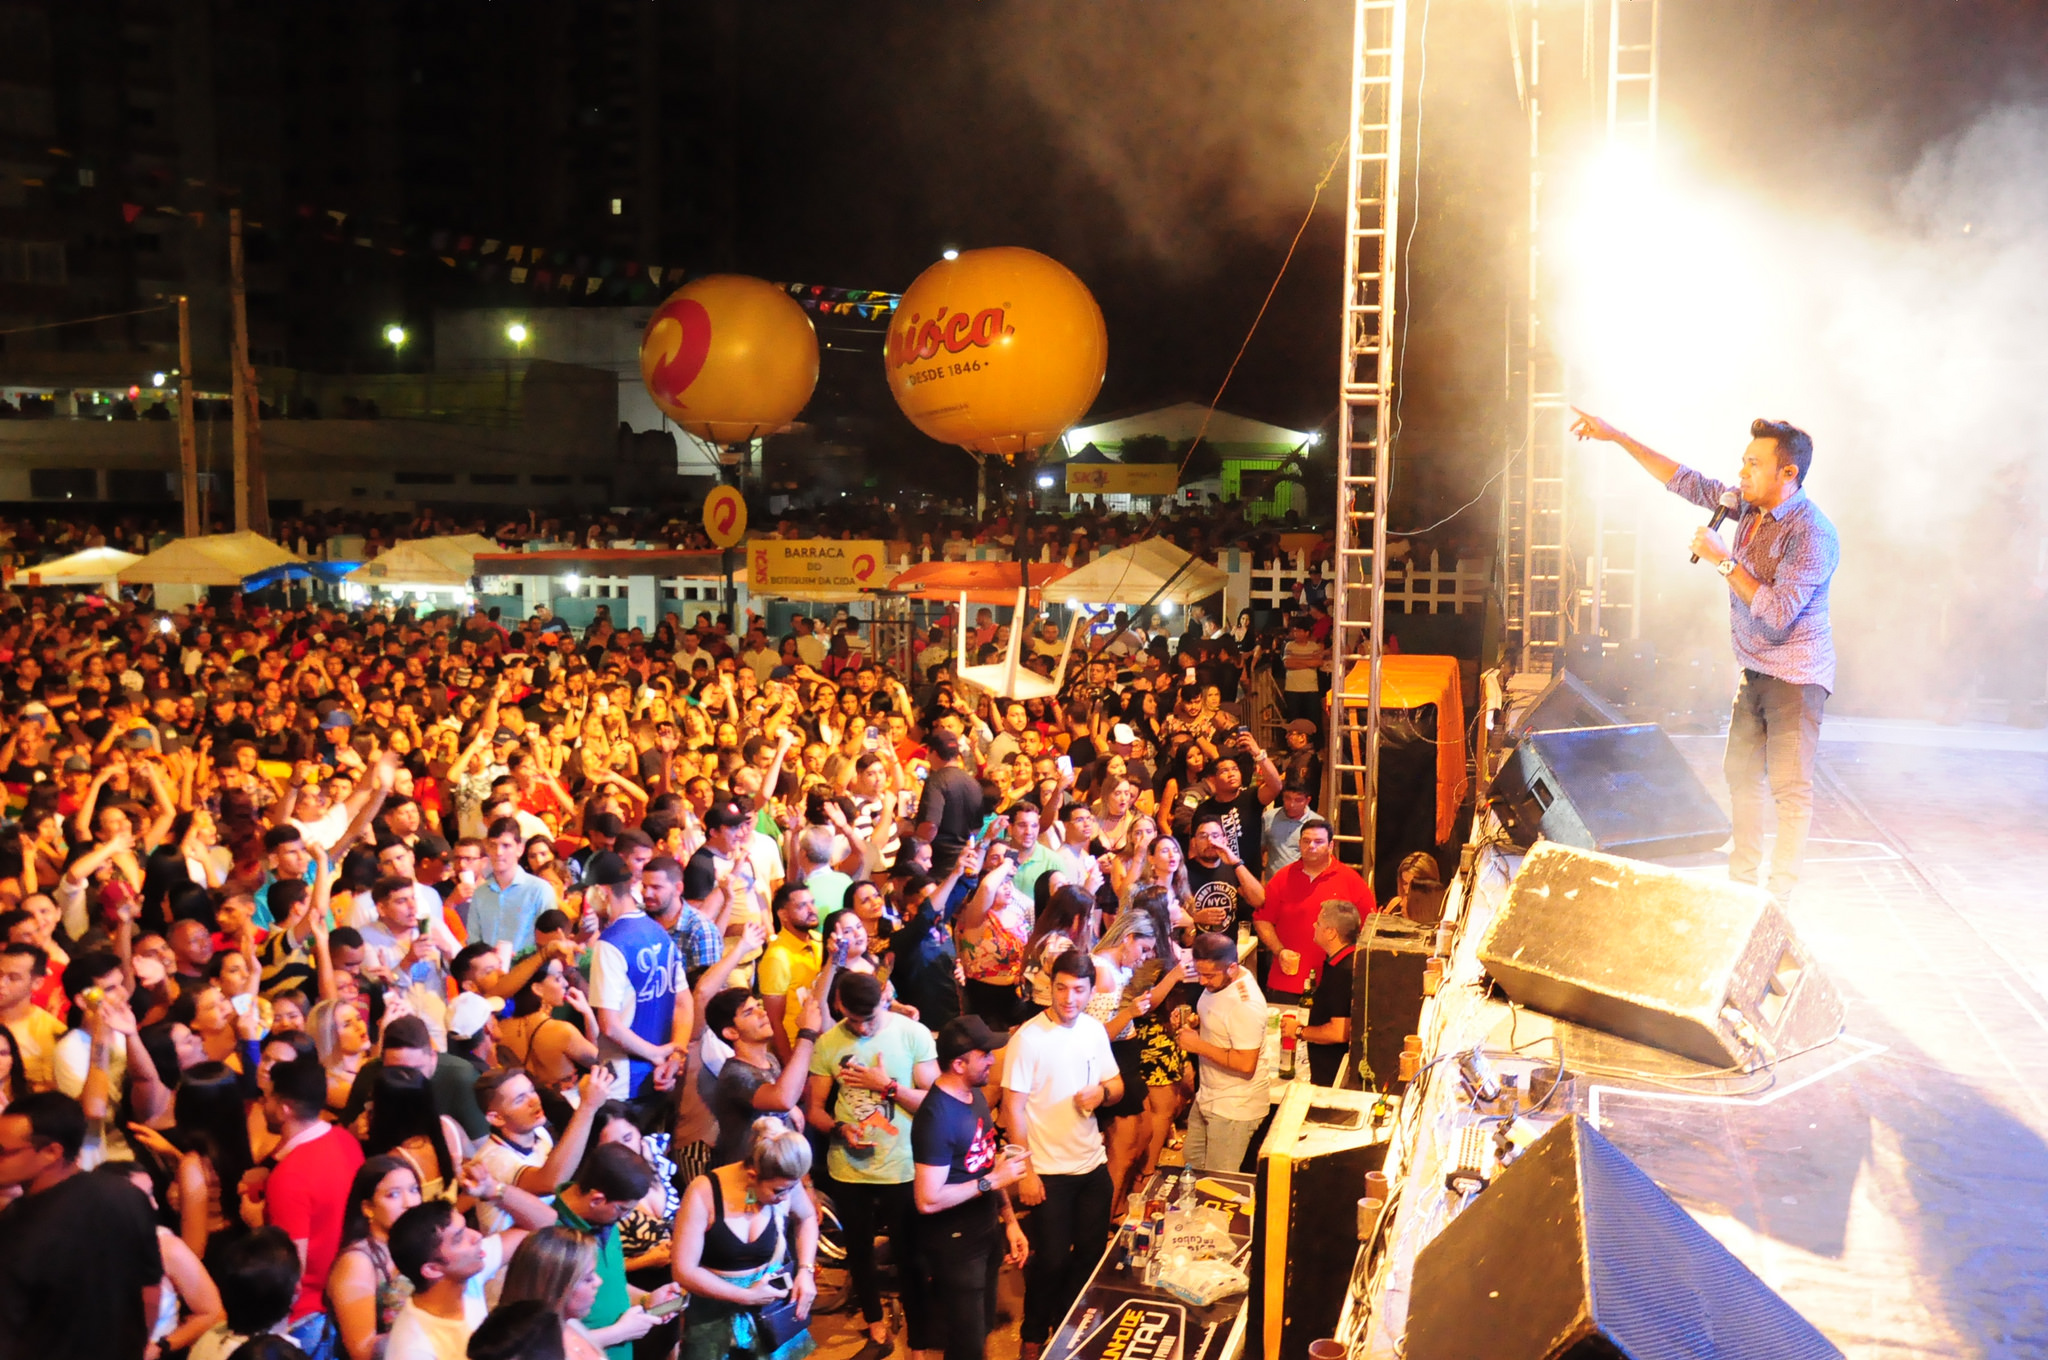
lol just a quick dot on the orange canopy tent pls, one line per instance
(993, 583)
(1416, 682)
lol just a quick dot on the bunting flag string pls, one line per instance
(491, 259)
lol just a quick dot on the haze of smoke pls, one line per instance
(1201, 117)
(1915, 349)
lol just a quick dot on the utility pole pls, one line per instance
(188, 436)
(252, 504)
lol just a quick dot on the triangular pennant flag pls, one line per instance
(515, 253)
(464, 244)
(592, 284)
(448, 260)
(364, 241)
(565, 283)
(130, 211)
(654, 273)
(338, 215)
(632, 268)
(518, 274)
(398, 251)
(305, 210)
(490, 247)
(543, 278)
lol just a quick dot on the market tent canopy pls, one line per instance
(449, 560)
(980, 582)
(91, 567)
(209, 560)
(331, 572)
(1151, 572)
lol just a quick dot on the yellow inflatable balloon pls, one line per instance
(998, 351)
(730, 358)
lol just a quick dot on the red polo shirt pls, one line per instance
(1293, 900)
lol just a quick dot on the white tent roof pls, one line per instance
(1184, 421)
(209, 560)
(90, 567)
(449, 560)
(1136, 575)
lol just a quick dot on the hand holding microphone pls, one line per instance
(1729, 500)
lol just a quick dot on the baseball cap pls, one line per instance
(468, 1016)
(77, 765)
(606, 870)
(504, 735)
(337, 717)
(965, 1034)
(1305, 726)
(1122, 735)
(725, 814)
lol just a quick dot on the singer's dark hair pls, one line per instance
(1795, 446)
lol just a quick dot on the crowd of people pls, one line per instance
(375, 985)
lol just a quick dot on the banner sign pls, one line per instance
(1122, 479)
(796, 565)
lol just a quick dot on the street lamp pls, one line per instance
(394, 336)
(517, 333)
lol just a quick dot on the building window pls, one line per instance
(63, 484)
(618, 207)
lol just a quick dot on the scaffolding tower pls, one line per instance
(1371, 220)
(1537, 558)
(1614, 576)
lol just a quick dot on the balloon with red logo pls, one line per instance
(998, 351)
(730, 358)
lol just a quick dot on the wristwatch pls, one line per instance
(984, 1184)
(1726, 566)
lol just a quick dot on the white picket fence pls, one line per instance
(1411, 587)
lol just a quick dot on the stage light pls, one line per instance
(1045, 480)
(573, 582)
(394, 336)
(1315, 437)
(517, 332)
(949, 254)
(156, 380)
(1166, 609)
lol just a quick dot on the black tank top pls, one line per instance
(727, 1252)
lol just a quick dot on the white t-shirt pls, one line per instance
(419, 1335)
(104, 1139)
(1050, 1062)
(1233, 1018)
(505, 1162)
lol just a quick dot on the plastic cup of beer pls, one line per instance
(1290, 962)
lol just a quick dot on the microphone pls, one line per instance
(1729, 500)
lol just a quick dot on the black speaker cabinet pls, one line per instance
(1567, 702)
(1311, 1175)
(1625, 790)
(1573, 1253)
(1386, 997)
(1697, 966)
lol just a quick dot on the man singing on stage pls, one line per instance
(1785, 553)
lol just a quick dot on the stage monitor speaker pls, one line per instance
(1705, 968)
(1624, 790)
(1574, 1253)
(1386, 996)
(1310, 1176)
(1568, 701)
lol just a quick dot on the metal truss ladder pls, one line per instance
(1372, 218)
(1615, 606)
(1536, 569)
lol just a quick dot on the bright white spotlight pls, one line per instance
(1315, 437)
(517, 332)
(156, 380)
(1045, 479)
(949, 254)
(573, 582)
(1165, 609)
(394, 336)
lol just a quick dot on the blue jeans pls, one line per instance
(1773, 737)
(1217, 1144)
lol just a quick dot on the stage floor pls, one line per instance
(1894, 1187)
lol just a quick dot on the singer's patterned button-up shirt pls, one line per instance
(1792, 551)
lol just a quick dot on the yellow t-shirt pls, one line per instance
(789, 962)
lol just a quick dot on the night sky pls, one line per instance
(1167, 153)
